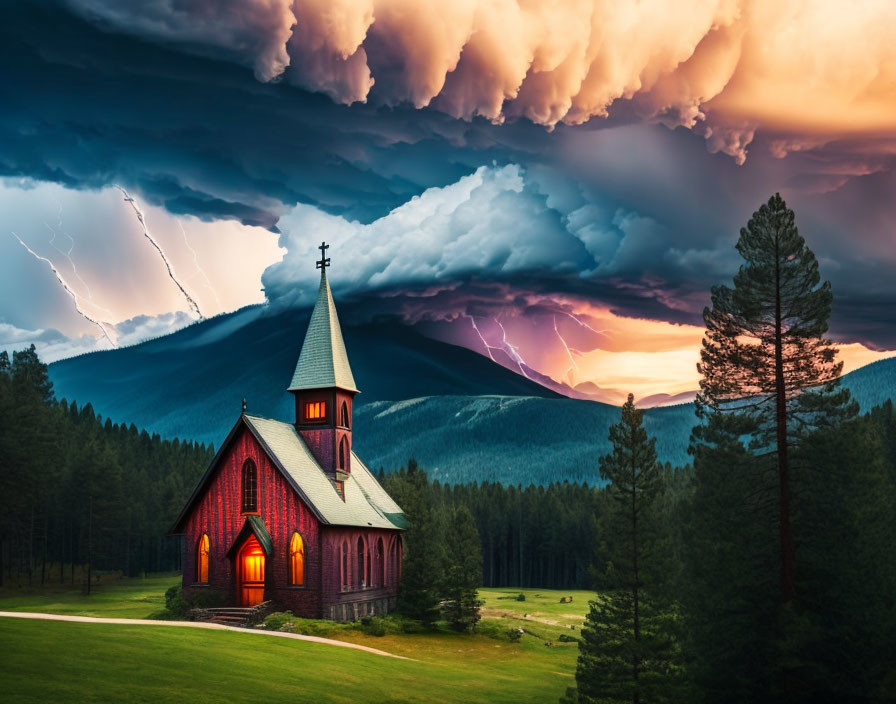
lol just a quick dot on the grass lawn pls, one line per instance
(122, 598)
(542, 611)
(52, 661)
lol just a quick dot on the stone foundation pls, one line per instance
(353, 610)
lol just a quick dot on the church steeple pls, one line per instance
(323, 385)
(323, 362)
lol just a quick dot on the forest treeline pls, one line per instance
(535, 536)
(78, 493)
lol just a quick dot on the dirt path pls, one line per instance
(195, 624)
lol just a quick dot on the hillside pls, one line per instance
(190, 383)
(504, 438)
(462, 416)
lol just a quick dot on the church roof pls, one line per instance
(366, 503)
(323, 362)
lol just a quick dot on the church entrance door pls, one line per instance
(250, 573)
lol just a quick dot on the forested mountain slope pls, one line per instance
(462, 416)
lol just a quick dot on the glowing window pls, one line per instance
(202, 553)
(316, 410)
(345, 415)
(296, 561)
(340, 487)
(250, 487)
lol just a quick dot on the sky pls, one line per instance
(556, 185)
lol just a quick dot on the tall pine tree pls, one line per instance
(628, 650)
(765, 356)
(770, 383)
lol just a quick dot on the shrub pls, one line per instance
(409, 625)
(374, 626)
(206, 599)
(520, 597)
(277, 620)
(175, 604)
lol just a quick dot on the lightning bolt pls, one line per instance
(199, 269)
(512, 349)
(148, 235)
(68, 290)
(586, 325)
(568, 352)
(488, 347)
(68, 255)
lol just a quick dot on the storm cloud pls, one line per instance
(237, 112)
(735, 65)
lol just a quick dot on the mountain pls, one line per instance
(667, 399)
(462, 416)
(190, 383)
(508, 439)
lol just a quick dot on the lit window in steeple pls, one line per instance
(317, 410)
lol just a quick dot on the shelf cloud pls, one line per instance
(724, 67)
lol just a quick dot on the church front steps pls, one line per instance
(240, 616)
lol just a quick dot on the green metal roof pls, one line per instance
(253, 525)
(261, 532)
(366, 502)
(323, 362)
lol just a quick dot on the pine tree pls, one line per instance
(628, 651)
(421, 573)
(765, 356)
(463, 573)
(770, 388)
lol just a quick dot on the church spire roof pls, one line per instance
(323, 362)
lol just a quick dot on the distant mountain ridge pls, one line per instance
(462, 416)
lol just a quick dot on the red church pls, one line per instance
(286, 512)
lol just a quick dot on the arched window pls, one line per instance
(360, 581)
(344, 565)
(202, 552)
(345, 415)
(393, 563)
(380, 562)
(343, 446)
(296, 561)
(250, 487)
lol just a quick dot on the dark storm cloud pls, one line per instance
(86, 108)
(643, 218)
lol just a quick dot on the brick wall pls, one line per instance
(217, 513)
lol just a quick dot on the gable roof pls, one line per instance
(323, 362)
(254, 525)
(366, 503)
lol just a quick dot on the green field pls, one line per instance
(54, 661)
(122, 598)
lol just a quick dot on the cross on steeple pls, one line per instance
(324, 259)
